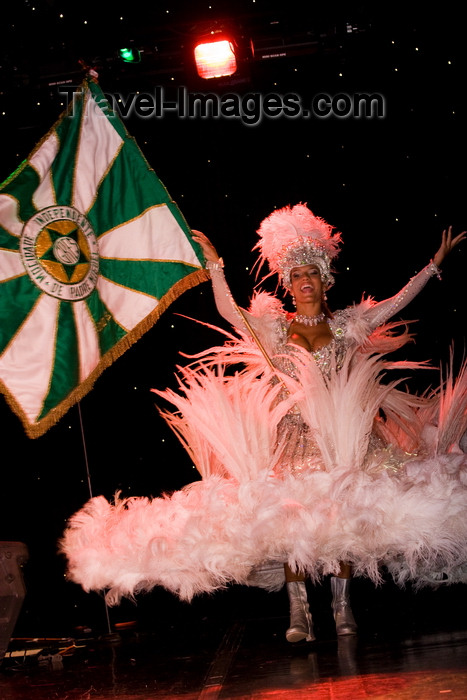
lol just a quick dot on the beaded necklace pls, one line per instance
(309, 320)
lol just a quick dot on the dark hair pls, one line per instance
(326, 309)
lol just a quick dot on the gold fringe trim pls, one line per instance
(35, 430)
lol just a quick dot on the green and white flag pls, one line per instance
(92, 251)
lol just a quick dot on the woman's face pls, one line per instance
(307, 286)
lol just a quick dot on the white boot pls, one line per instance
(301, 624)
(345, 623)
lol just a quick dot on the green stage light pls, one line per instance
(130, 55)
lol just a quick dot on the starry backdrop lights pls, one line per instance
(390, 184)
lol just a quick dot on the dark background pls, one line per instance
(389, 185)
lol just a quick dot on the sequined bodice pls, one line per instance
(329, 356)
(325, 356)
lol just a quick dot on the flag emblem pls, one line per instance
(92, 251)
(60, 253)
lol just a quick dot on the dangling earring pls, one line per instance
(294, 302)
(325, 297)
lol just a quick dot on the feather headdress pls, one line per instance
(294, 236)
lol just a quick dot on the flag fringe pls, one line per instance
(35, 430)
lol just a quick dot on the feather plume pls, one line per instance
(247, 411)
(296, 229)
(284, 226)
(452, 419)
(340, 408)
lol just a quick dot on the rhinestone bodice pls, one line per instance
(328, 356)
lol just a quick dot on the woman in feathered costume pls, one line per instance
(310, 464)
(300, 247)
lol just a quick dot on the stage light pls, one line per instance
(215, 59)
(130, 55)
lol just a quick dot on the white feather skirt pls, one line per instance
(336, 467)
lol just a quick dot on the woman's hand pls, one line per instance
(447, 244)
(210, 253)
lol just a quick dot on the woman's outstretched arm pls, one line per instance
(225, 303)
(384, 310)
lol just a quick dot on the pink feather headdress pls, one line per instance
(294, 236)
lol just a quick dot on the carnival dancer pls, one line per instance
(300, 247)
(311, 465)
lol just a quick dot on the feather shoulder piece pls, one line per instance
(352, 322)
(270, 321)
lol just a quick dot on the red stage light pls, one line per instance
(215, 59)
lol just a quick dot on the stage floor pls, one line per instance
(232, 645)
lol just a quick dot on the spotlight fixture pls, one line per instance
(215, 58)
